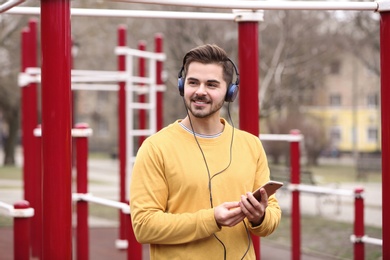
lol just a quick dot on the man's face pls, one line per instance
(204, 89)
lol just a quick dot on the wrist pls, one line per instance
(258, 223)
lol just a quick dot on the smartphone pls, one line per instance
(270, 187)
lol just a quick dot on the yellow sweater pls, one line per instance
(170, 197)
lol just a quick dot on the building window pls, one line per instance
(335, 67)
(335, 135)
(372, 100)
(335, 100)
(102, 128)
(102, 100)
(372, 134)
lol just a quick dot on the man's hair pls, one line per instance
(208, 54)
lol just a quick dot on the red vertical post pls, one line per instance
(25, 110)
(158, 39)
(385, 122)
(21, 232)
(36, 180)
(29, 121)
(358, 247)
(249, 76)
(295, 207)
(141, 97)
(81, 134)
(249, 86)
(122, 131)
(73, 93)
(134, 250)
(73, 100)
(29, 108)
(56, 129)
(38, 222)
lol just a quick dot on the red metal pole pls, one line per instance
(359, 225)
(29, 121)
(295, 207)
(141, 97)
(249, 86)
(38, 221)
(36, 186)
(21, 232)
(29, 109)
(122, 131)
(25, 109)
(385, 120)
(158, 39)
(81, 133)
(56, 129)
(249, 76)
(134, 250)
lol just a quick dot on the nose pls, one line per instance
(201, 91)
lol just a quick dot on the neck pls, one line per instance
(203, 126)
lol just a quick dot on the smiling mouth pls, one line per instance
(200, 103)
(200, 100)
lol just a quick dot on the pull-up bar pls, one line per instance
(131, 13)
(9, 4)
(269, 5)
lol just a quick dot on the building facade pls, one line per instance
(349, 104)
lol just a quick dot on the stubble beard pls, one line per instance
(201, 111)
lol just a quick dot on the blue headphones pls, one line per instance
(232, 89)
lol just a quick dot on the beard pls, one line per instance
(203, 111)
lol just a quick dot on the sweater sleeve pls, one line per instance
(273, 212)
(271, 219)
(152, 223)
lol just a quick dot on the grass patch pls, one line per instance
(11, 173)
(102, 211)
(6, 221)
(340, 173)
(99, 155)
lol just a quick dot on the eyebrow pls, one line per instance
(208, 81)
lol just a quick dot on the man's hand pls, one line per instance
(228, 214)
(253, 209)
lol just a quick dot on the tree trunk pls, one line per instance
(12, 119)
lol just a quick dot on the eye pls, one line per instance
(212, 85)
(192, 82)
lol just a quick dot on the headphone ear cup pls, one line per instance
(231, 93)
(180, 85)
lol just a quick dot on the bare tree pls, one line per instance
(361, 37)
(312, 128)
(296, 47)
(10, 28)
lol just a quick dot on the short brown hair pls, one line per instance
(210, 53)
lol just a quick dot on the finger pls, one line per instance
(248, 208)
(264, 197)
(231, 204)
(253, 212)
(249, 199)
(236, 219)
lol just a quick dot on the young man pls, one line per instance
(192, 182)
